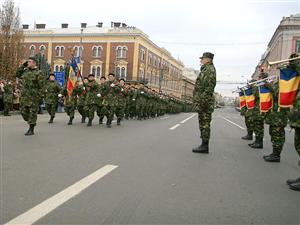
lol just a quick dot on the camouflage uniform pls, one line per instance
(203, 98)
(70, 103)
(248, 122)
(31, 93)
(141, 101)
(91, 100)
(81, 96)
(52, 89)
(8, 96)
(121, 103)
(277, 120)
(129, 107)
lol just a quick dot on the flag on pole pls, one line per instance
(74, 74)
(288, 86)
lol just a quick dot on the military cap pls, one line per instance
(91, 75)
(207, 55)
(111, 74)
(33, 59)
(122, 79)
(103, 77)
(51, 74)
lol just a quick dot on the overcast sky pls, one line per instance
(236, 31)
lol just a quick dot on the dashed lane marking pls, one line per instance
(174, 127)
(41, 210)
(183, 121)
(232, 123)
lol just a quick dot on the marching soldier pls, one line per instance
(52, 89)
(121, 97)
(141, 101)
(92, 98)
(204, 99)
(81, 99)
(32, 86)
(101, 106)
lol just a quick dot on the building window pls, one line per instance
(118, 72)
(59, 68)
(123, 72)
(32, 50)
(97, 71)
(42, 49)
(141, 74)
(78, 51)
(59, 51)
(143, 55)
(297, 46)
(122, 51)
(97, 51)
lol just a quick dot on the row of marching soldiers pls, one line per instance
(108, 98)
(275, 103)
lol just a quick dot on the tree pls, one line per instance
(11, 40)
(43, 64)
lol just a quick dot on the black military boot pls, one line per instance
(89, 123)
(203, 148)
(291, 181)
(295, 186)
(83, 119)
(108, 123)
(119, 121)
(248, 137)
(273, 157)
(101, 120)
(70, 121)
(30, 130)
(51, 119)
(253, 142)
(258, 143)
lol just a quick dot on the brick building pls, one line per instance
(126, 51)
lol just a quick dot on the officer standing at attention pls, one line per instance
(203, 98)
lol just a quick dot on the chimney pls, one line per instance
(40, 26)
(99, 24)
(25, 26)
(117, 24)
(83, 25)
(64, 25)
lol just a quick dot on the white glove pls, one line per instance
(122, 89)
(133, 99)
(83, 88)
(1, 85)
(112, 85)
(99, 95)
(142, 92)
(59, 95)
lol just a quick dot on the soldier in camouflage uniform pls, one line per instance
(129, 101)
(51, 89)
(203, 98)
(277, 120)
(100, 107)
(258, 117)
(92, 98)
(295, 122)
(248, 122)
(111, 90)
(31, 91)
(121, 98)
(8, 95)
(141, 101)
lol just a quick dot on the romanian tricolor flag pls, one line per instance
(288, 86)
(242, 99)
(250, 99)
(74, 73)
(266, 99)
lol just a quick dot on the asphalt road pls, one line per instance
(157, 178)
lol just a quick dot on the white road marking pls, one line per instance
(164, 118)
(183, 121)
(42, 209)
(232, 122)
(174, 127)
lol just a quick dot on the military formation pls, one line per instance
(277, 118)
(111, 98)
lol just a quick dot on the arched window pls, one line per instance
(59, 51)
(62, 51)
(42, 49)
(61, 68)
(78, 51)
(121, 52)
(123, 72)
(98, 74)
(97, 51)
(32, 50)
(56, 68)
(94, 70)
(118, 72)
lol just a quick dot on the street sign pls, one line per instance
(60, 77)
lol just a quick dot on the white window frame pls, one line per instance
(61, 51)
(79, 51)
(123, 51)
(99, 51)
(40, 48)
(30, 50)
